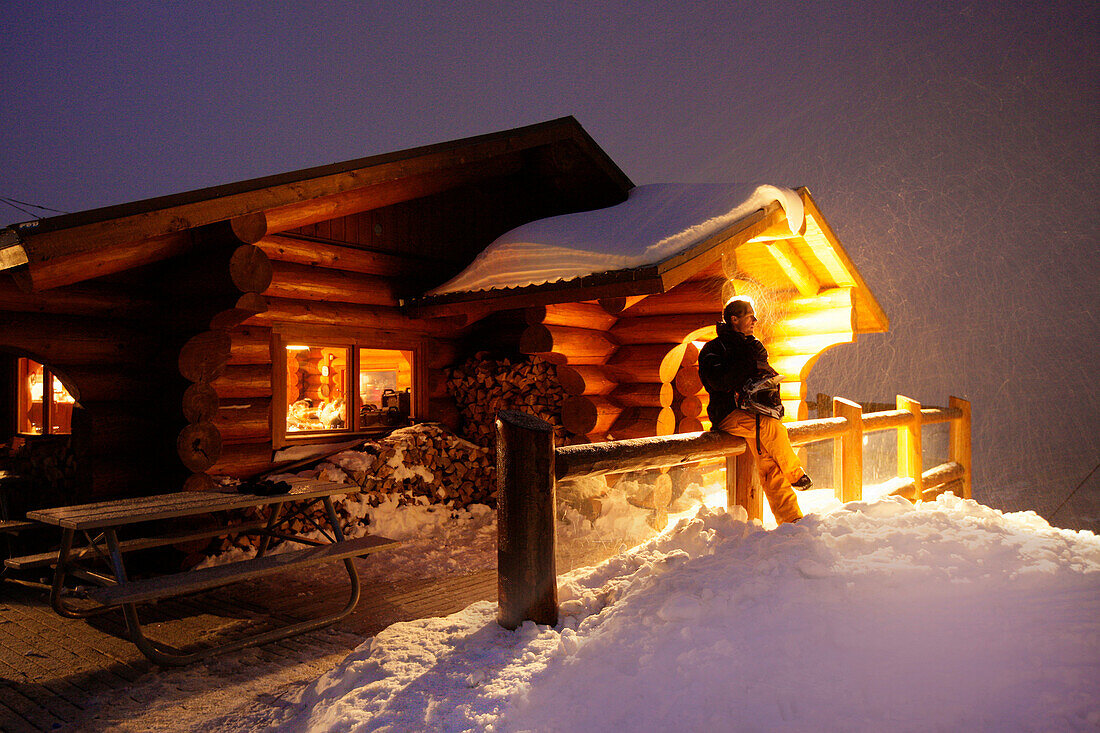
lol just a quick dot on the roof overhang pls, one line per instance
(810, 260)
(65, 249)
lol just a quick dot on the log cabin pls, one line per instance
(229, 331)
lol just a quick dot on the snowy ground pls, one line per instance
(879, 615)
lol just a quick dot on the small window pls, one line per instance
(385, 387)
(45, 406)
(317, 388)
(333, 388)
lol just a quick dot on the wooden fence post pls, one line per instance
(959, 438)
(742, 485)
(909, 446)
(527, 582)
(848, 452)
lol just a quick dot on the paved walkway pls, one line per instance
(72, 675)
(61, 674)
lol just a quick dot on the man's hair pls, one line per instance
(736, 307)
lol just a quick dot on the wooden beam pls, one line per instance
(848, 452)
(302, 251)
(682, 266)
(909, 446)
(793, 266)
(959, 438)
(526, 508)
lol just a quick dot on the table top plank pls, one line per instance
(120, 512)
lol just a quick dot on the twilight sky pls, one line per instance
(953, 147)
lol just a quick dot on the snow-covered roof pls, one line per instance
(656, 222)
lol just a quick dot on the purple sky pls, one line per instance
(953, 146)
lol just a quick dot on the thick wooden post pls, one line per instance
(909, 446)
(527, 583)
(959, 437)
(848, 452)
(742, 486)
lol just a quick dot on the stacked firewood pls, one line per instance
(426, 461)
(483, 385)
(423, 464)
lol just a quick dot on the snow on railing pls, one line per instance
(529, 466)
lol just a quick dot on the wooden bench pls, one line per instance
(193, 581)
(15, 526)
(99, 523)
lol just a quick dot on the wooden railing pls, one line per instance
(529, 466)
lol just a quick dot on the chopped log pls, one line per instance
(617, 305)
(693, 296)
(578, 379)
(250, 345)
(689, 406)
(645, 362)
(248, 305)
(244, 380)
(566, 345)
(200, 402)
(199, 446)
(689, 425)
(249, 228)
(526, 509)
(584, 415)
(647, 329)
(643, 422)
(643, 395)
(577, 315)
(200, 482)
(303, 282)
(687, 381)
(244, 421)
(250, 269)
(205, 356)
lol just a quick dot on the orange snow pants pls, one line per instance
(776, 462)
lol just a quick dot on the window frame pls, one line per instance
(22, 370)
(325, 338)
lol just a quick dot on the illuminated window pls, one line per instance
(42, 410)
(345, 388)
(385, 387)
(316, 388)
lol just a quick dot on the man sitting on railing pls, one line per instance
(744, 401)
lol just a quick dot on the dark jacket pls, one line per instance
(726, 364)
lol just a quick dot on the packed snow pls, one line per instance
(655, 222)
(875, 615)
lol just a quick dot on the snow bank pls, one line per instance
(655, 221)
(875, 616)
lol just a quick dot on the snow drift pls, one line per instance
(873, 616)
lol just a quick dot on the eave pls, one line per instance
(66, 249)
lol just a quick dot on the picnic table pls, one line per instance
(100, 558)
